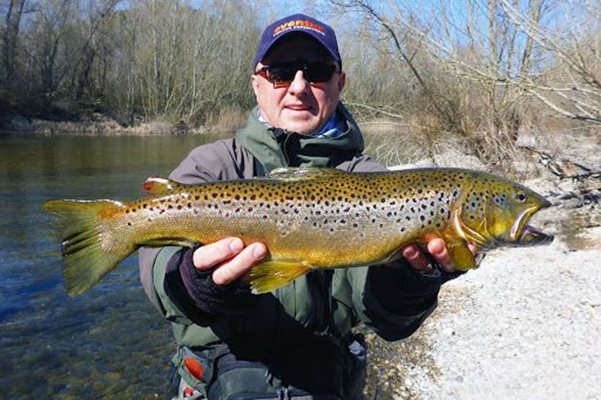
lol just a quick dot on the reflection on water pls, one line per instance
(109, 342)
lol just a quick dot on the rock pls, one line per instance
(454, 159)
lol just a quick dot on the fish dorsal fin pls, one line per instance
(302, 173)
(157, 185)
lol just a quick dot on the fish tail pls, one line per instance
(86, 256)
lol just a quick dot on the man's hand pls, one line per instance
(229, 257)
(437, 249)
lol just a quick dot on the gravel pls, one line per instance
(525, 325)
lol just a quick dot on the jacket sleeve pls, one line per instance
(207, 163)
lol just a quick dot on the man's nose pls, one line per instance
(299, 84)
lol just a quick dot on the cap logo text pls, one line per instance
(298, 24)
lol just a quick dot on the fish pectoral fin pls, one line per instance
(460, 254)
(303, 173)
(270, 275)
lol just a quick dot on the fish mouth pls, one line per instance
(531, 236)
(523, 234)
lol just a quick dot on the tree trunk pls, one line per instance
(13, 20)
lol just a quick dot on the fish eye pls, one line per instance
(520, 196)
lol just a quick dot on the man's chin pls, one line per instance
(303, 128)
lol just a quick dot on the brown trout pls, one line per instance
(308, 218)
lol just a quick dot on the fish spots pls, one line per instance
(500, 199)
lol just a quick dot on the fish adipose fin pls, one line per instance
(86, 261)
(270, 275)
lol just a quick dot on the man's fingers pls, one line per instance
(438, 250)
(233, 269)
(415, 257)
(208, 256)
(472, 248)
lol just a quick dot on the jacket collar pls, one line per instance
(276, 148)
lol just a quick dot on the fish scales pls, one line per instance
(316, 218)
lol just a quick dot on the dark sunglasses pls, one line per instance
(282, 74)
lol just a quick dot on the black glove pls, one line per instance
(405, 290)
(198, 295)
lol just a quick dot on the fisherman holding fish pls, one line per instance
(297, 340)
(292, 259)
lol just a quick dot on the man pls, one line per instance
(296, 341)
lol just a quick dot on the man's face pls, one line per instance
(301, 107)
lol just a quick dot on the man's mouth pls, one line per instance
(298, 107)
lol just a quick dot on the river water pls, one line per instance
(109, 342)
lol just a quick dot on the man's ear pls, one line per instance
(341, 82)
(254, 82)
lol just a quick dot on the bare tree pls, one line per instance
(577, 57)
(11, 32)
(92, 17)
(480, 64)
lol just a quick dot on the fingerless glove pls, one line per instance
(407, 291)
(198, 295)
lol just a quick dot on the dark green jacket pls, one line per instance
(319, 301)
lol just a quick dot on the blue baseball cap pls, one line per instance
(302, 23)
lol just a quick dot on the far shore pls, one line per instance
(99, 124)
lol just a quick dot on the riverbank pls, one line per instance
(98, 124)
(524, 326)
